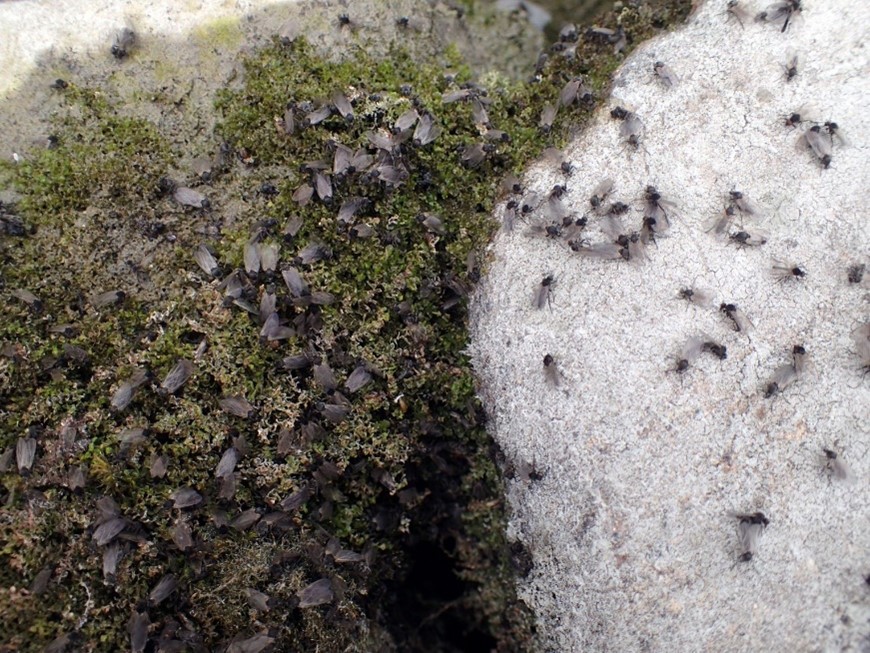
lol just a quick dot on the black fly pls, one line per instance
(544, 292)
(744, 238)
(631, 130)
(711, 347)
(125, 42)
(548, 116)
(749, 528)
(739, 201)
(688, 354)
(600, 193)
(783, 271)
(697, 296)
(855, 273)
(740, 13)
(780, 11)
(791, 68)
(836, 466)
(861, 338)
(665, 74)
(820, 142)
(788, 373)
(657, 207)
(551, 371)
(737, 317)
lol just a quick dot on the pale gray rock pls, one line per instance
(631, 528)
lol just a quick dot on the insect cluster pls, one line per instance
(550, 218)
(321, 322)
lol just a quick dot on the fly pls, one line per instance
(665, 74)
(739, 201)
(251, 256)
(25, 452)
(788, 373)
(176, 377)
(780, 11)
(190, 197)
(206, 260)
(600, 193)
(544, 292)
(619, 113)
(358, 379)
(861, 338)
(475, 154)
(323, 186)
(351, 207)
(792, 120)
(124, 44)
(109, 298)
(855, 273)
(791, 68)
(432, 223)
(426, 131)
(511, 184)
(836, 466)
(164, 587)
(551, 371)
(783, 271)
(657, 207)
(820, 142)
(342, 105)
(478, 112)
(314, 252)
(302, 195)
(697, 296)
(631, 130)
(237, 405)
(688, 354)
(601, 251)
(573, 90)
(185, 497)
(33, 302)
(749, 528)
(406, 121)
(557, 157)
(834, 131)
(737, 317)
(545, 229)
(711, 347)
(740, 13)
(755, 238)
(548, 116)
(125, 392)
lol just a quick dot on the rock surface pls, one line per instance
(630, 525)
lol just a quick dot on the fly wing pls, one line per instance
(748, 533)
(602, 251)
(317, 593)
(190, 197)
(406, 120)
(206, 261)
(295, 284)
(692, 348)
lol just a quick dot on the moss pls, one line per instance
(219, 34)
(407, 478)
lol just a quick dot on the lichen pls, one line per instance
(410, 476)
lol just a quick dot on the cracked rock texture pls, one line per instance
(629, 524)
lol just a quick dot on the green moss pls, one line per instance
(412, 461)
(219, 34)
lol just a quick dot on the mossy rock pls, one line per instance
(400, 499)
